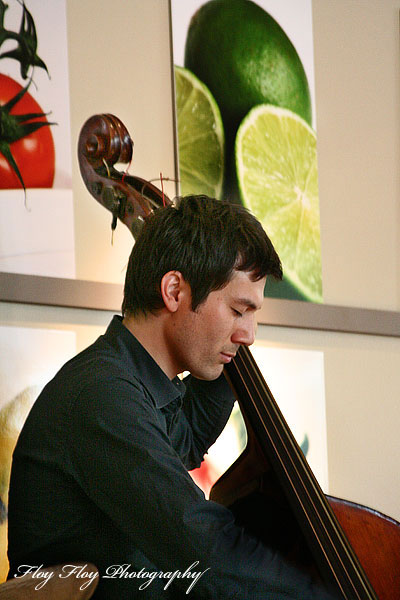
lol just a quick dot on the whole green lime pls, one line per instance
(245, 58)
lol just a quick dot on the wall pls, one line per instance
(119, 63)
(358, 114)
(357, 87)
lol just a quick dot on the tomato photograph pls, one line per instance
(34, 152)
(36, 200)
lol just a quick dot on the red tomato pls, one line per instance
(35, 153)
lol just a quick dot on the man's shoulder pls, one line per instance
(98, 374)
(107, 356)
(99, 367)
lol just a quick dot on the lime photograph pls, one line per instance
(246, 122)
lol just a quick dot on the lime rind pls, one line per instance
(276, 163)
(201, 140)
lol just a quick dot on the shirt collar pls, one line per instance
(142, 366)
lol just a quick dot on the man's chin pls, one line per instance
(209, 374)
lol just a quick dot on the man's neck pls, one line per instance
(149, 331)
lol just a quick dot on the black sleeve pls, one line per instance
(207, 406)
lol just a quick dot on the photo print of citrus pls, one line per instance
(244, 87)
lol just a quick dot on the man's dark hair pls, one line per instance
(203, 238)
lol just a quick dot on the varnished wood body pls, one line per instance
(375, 539)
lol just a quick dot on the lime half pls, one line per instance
(200, 137)
(276, 163)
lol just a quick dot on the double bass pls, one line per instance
(353, 549)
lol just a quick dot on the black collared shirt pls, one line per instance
(100, 474)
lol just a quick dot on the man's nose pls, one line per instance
(245, 332)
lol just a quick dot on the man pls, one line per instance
(100, 469)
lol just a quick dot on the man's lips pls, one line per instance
(227, 356)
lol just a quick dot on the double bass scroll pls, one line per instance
(103, 142)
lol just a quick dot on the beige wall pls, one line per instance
(358, 108)
(358, 112)
(358, 115)
(119, 58)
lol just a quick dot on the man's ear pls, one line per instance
(173, 290)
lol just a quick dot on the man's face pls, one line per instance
(205, 340)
